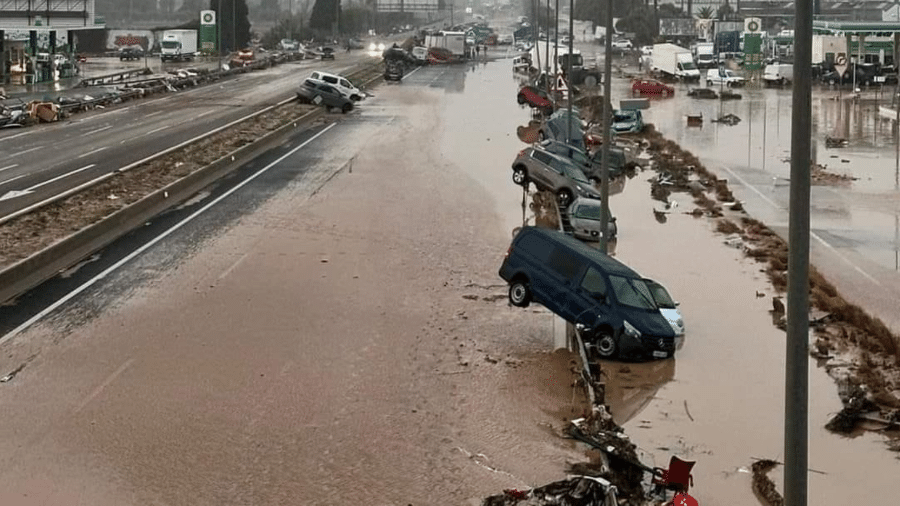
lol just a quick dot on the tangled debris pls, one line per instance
(762, 485)
(728, 119)
(820, 175)
(574, 491)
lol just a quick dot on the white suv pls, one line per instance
(621, 44)
(342, 84)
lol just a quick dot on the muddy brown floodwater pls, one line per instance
(350, 342)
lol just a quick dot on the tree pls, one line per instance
(706, 12)
(725, 12)
(268, 10)
(233, 22)
(324, 14)
(194, 6)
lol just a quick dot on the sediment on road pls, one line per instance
(859, 351)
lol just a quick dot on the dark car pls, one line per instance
(590, 164)
(535, 97)
(393, 70)
(327, 53)
(130, 53)
(612, 304)
(324, 94)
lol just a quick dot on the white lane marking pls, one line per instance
(233, 267)
(753, 188)
(57, 178)
(14, 136)
(153, 113)
(812, 234)
(10, 180)
(203, 114)
(89, 153)
(109, 379)
(29, 150)
(845, 259)
(112, 268)
(146, 134)
(9, 167)
(96, 130)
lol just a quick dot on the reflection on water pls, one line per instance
(631, 387)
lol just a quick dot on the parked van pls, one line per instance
(778, 73)
(585, 286)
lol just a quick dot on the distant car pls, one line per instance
(327, 53)
(355, 44)
(702, 93)
(393, 71)
(563, 127)
(324, 94)
(505, 39)
(627, 121)
(590, 164)
(535, 97)
(342, 84)
(647, 50)
(289, 45)
(651, 87)
(621, 44)
(552, 173)
(723, 77)
(130, 53)
(584, 215)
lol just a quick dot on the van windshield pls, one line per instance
(661, 295)
(632, 292)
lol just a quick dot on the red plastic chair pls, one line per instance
(677, 477)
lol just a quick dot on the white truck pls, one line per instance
(778, 73)
(178, 45)
(674, 61)
(455, 42)
(705, 55)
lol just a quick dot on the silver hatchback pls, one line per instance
(552, 173)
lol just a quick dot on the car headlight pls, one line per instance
(381, 46)
(372, 46)
(630, 331)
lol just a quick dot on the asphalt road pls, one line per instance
(42, 161)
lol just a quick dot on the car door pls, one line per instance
(565, 269)
(590, 297)
(540, 171)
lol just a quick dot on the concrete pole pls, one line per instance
(796, 398)
(607, 133)
(556, 60)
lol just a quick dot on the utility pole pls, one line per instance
(796, 391)
(607, 134)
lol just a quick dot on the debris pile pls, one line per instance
(574, 491)
(763, 486)
(728, 119)
(820, 176)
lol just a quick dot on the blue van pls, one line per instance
(585, 286)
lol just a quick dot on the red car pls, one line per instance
(651, 87)
(535, 97)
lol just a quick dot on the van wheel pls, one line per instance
(708, 82)
(519, 176)
(564, 198)
(519, 294)
(347, 108)
(606, 345)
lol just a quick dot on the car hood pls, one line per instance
(648, 322)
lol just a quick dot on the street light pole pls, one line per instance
(607, 134)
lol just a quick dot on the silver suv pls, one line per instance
(553, 173)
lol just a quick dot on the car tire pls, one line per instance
(355, 97)
(606, 345)
(519, 293)
(346, 108)
(665, 93)
(564, 198)
(521, 99)
(541, 137)
(590, 81)
(708, 82)
(520, 176)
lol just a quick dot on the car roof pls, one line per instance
(609, 264)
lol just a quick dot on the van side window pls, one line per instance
(537, 246)
(593, 282)
(329, 79)
(564, 262)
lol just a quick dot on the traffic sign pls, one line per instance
(840, 63)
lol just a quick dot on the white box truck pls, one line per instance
(178, 45)
(779, 73)
(705, 54)
(674, 61)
